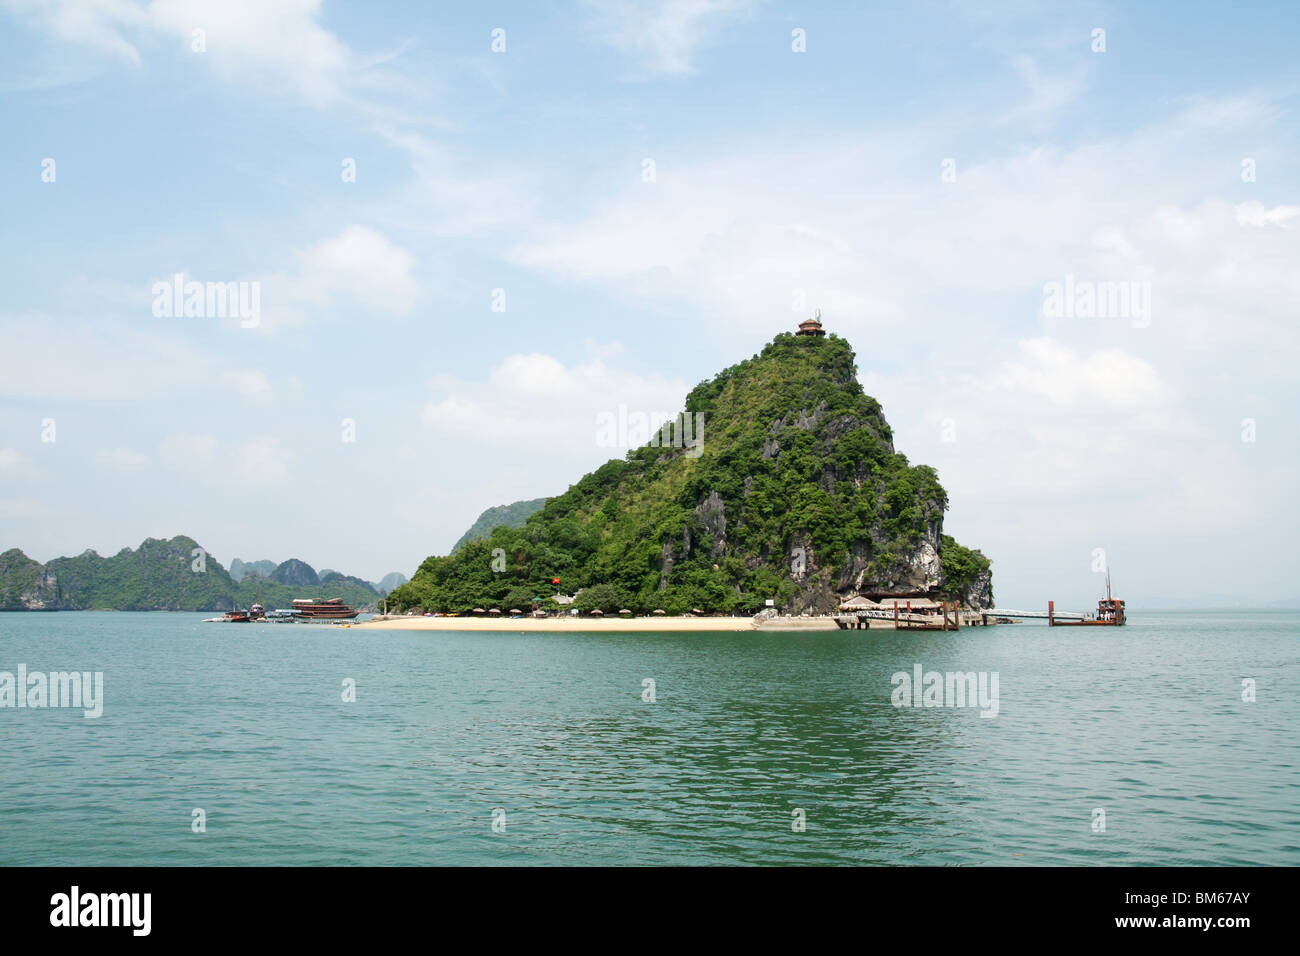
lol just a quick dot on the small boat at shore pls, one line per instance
(230, 617)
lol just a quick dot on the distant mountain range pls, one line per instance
(173, 575)
(502, 516)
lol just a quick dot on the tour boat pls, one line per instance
(1110, 612)
(305, 609)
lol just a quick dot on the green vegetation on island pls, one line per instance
(172, 575)
(509, 516)
(795, 494)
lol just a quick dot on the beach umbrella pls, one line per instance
(495, 610)
(598, 612)
(661, 611)
(515, 610)
(479, 610)
(625, 611)
(696, 610)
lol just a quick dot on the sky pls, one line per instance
(464, 233)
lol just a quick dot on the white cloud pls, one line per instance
(1256, 214)
(1049, 92)
(453, 198)
(1108, 377)
(188, 452)
(258, 461)
(121, 460)
(664, 36)
(74, 360)
(267, 44)
(15, 465)
(263, 460)
(249, 383)
(358, 269)
(536, 403)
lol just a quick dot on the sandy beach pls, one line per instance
(563, 624)
(612, 624)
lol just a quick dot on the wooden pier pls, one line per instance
(923, 615)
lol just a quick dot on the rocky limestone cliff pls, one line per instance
(795, 493)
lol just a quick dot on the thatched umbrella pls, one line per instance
(515, 610)
(625, 611)
(660, 611)
(598, 612)
(495, 610)
(479, 610)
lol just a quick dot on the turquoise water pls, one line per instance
(1145, 722)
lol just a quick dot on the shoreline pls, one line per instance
(561, 624)
(609, 625)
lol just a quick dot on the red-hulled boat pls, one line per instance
(1110, 613)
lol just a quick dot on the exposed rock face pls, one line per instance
(296, 573)
(713, 516)
(26, 585)
(979, 594)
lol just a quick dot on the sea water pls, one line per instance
(1172, 740)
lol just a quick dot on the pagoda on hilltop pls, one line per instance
(812, 326)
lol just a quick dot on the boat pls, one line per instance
(1110, 612)
(256, 612)
(281, 615)
(306, 609)
(237, 617)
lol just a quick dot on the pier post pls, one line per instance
(1051, 614)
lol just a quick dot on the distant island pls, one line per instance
(172, 575)
(779, 482)
(508, 516)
